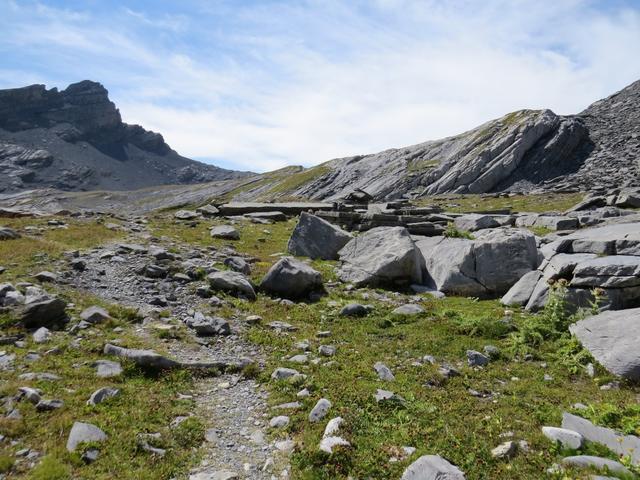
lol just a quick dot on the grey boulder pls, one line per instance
(232, 282)
(7, 233)
(487, 266)
(95, 315)
(291, 278)
(379, 257)
(44, 313)
(520, 293)
(83, 433)
(226, 232)
(432, 467)
(314, 237)
(613, 338)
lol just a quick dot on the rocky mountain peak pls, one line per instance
(75, 139)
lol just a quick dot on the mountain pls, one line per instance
(524, 151)
(75, 139)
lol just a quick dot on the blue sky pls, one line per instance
(262, 84)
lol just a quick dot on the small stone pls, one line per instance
(102, 394)
(355, 310)
(320, 410)
(408, 309)
(42, 335)
(384, 372)
(90, 456)
(84, 432)
(327, 350)
(505, 450)
(282, 373)
(95, 315)
(476, 359)
(279, 422)
(387, 396)
(48, 405)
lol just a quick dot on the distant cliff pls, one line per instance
(75, 139)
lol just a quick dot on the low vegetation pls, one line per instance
(537, 372)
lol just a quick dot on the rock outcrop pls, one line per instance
(605, 258)
(75, 139)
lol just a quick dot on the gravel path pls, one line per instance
(233, 408)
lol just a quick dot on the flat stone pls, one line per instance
(613, 338)
(626, 445)
(102, 394)
(408, 309)
(226, 232)
(108, 368)
(567, 438)
(432, 467)
(588, 461)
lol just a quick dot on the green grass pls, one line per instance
(520, 203)
(22, 255)
(147, 404)
(439, 417)
(292, 182)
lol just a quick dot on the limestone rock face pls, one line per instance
(606, 257)
(381, 256)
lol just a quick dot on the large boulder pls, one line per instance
(232, 282)
(432, 467)
(521, 292)
(613, 338)
(486, 266)
(314, 237)
(291, 278)
(44, 313)
(379, 257)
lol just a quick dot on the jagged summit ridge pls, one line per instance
(524, 151)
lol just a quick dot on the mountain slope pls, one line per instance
(529, 150)
(75, 139)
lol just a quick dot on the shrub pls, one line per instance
(453, 232)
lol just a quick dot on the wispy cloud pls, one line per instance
(260, 85)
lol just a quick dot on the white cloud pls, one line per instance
(277, 83)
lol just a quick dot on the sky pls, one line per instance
(258, 85)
